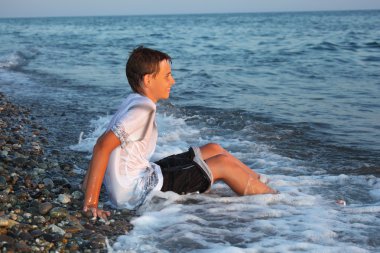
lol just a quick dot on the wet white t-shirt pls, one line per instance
(130, 177)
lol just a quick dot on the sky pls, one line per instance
(51, 8)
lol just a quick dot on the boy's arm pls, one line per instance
(95, 174)
(84, 183)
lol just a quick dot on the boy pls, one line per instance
(130, 139)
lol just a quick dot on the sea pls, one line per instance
(295, 96)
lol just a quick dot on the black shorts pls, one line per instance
(182, 174)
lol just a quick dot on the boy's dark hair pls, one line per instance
(143, 61)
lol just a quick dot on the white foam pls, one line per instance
(17, 59)
(87, 141)
(13, 61)
(300, 219)
(304, 217)
(175, 136)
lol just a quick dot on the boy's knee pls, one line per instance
(219, 166)
(216, 148)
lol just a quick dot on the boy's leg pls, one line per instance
(226, 167)
(212, 149)
(240, 181)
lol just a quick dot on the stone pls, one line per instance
(3, 197)
(56, 229)
(7, 241)
(13, 216)
(27, 215)
(73, 229)
(36, 233)
(38, 171)
(73, 246)
(64, 198)
(6, 222)
(25, 236)
(48, 182)
(98, 242)
(44, 208)
(3, 183)
(12, 199)
(39, 219)
(58, 212)
(52, 237)
(22, 247)
(77, 194)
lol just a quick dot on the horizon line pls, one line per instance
(179, 14)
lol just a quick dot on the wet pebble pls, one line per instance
(56, 229)
(77, 195)
(3, 183)
(52, 237)
(64, 198)
(3, 197)
(26, 236)
(27, 215)
(39, 219)
(6, 222)
(98, 241)
(8, 241)
(22, 247)
(48, 182)
(58, 212)
(36, 233)
(44, 208)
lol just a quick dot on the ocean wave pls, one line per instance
(372, 59)
(373, 44)
(325, 45)
(17, 59)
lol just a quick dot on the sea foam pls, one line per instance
(303, 217)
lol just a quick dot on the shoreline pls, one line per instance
(40, 198)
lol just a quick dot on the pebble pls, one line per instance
(52, 237)
(58, 212)
(44, 208)
(27, 215)
(56, 229)
(64, 198)
(98, 241)
(36, 233)
(6, 222)
(13, 216)
(22, 247)
(3, 183)
(39, 219)
(3, 197)
(4, 239)
(48, 182)
(77, 195)
(25, 236)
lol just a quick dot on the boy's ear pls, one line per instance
(146, 80)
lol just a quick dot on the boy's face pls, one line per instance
(159, 85)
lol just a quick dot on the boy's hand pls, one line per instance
(96, 212)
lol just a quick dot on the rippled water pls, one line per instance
(294, 95)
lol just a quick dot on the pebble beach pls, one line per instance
(40, 203)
